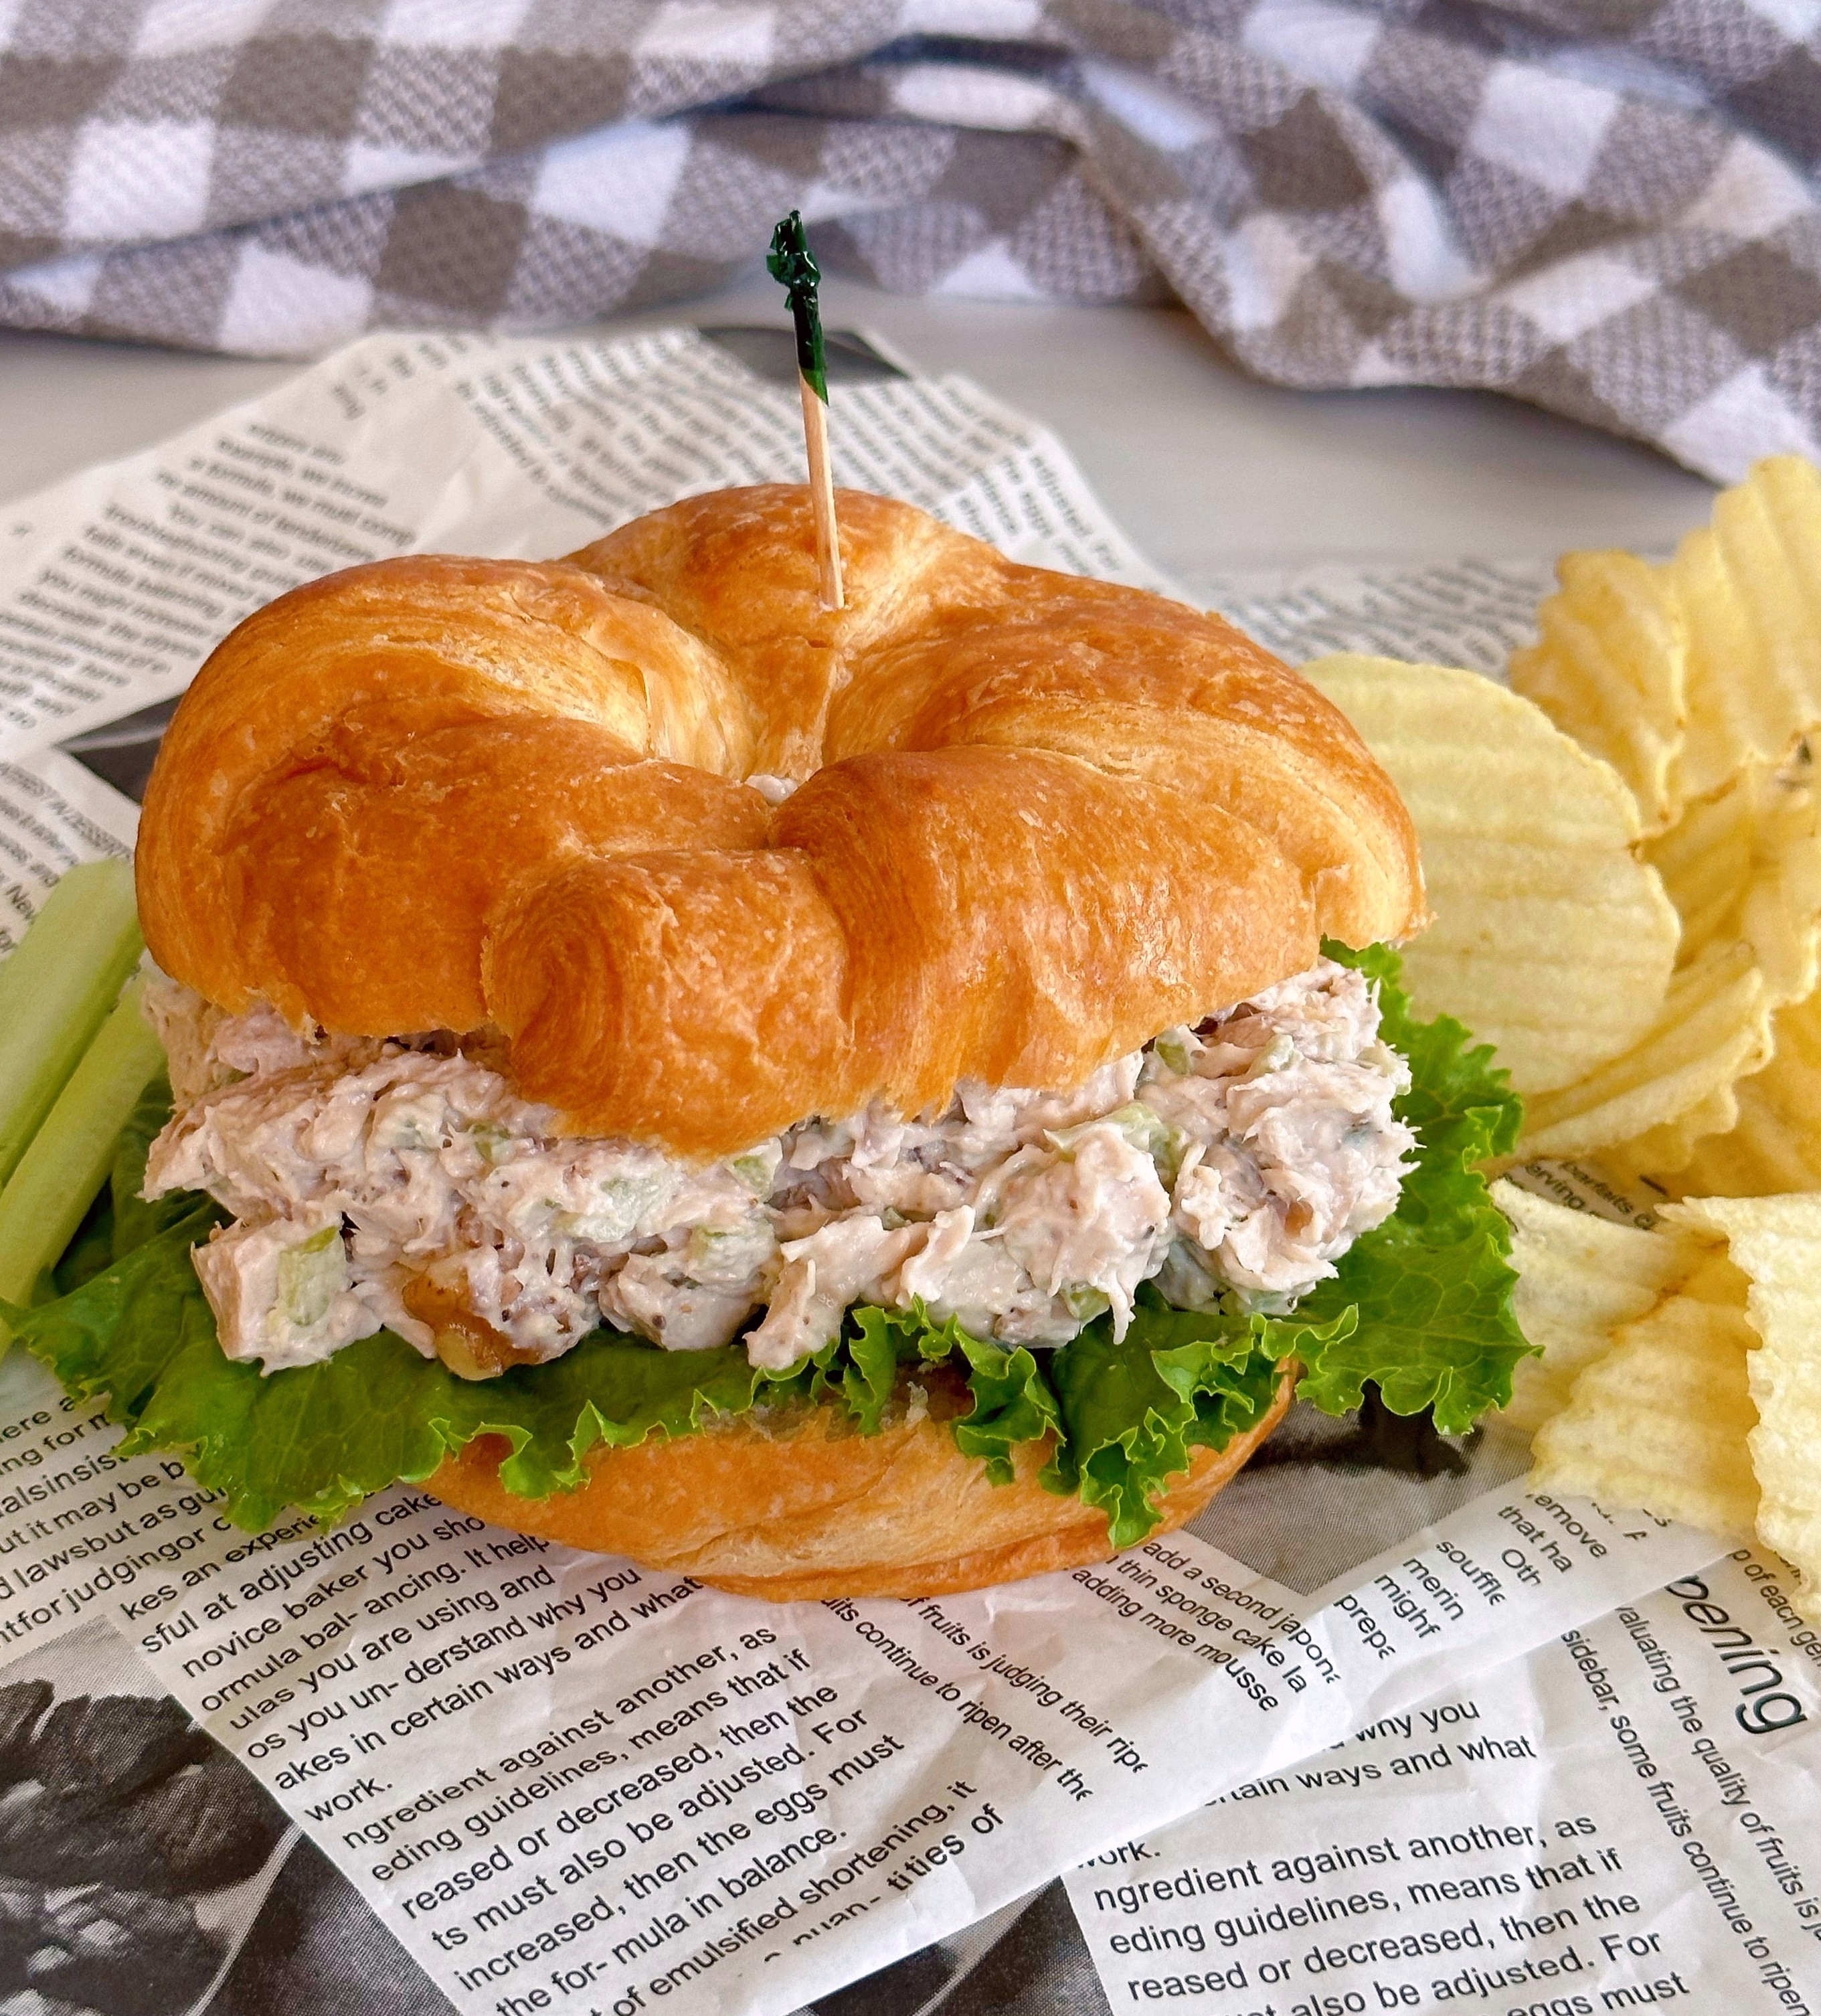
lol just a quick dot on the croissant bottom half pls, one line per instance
(809, 1509)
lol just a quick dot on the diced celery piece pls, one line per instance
(492, 1142)
(1143, 1128)
(56, 991)
(757, 1168)
(1172, 1052)
(71, 1154)
(310, 1275)
(1147, 1131)
(410, 1120)
(1281, 1050)
(620, 1203)
(725, 1256)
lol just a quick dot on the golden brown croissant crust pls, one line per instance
(1040, 818)
(810, 1509)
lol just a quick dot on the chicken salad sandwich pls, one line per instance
(878, 1100)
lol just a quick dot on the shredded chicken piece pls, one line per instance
(1236, 1160)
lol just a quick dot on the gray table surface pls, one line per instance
(1209, 471)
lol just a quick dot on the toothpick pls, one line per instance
(790, 261)
(821, 495)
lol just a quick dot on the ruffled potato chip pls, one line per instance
(1718, 657)
(1744, 863)
(1580, 1279)
(1551, 940)
(1653, 1104)
(1707, 1408)
(1662, 1420)
(1682, 676)
(1610, 668)
(1655, 1155)
(1749, 588)
(1775, 1146)
(1743, 867)
(1776, 1244)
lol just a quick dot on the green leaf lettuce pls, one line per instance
(1433, 1284)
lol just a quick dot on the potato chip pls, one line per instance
(1676, 1085)
(1662, 1420)
(1776, 1244)
(1680, 676)
(1719, 654)
(1774, 1148)
(1744, 863)
(1656, 1155)
(1743, 866)
(1749, 588)
(1579, 1278)
(1551, 940)
(1609, 667)
(1709, 1407)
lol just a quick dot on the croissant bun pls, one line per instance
(1039, 819)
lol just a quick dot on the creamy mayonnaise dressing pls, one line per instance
(1238, 1159)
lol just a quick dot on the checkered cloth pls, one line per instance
(1606, 207)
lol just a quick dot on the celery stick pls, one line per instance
(56, 991)
(71, 1155)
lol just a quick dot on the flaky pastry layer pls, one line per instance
(1039, 818)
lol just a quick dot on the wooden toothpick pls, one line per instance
(790, 261)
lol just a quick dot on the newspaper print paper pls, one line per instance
(1627, 1816)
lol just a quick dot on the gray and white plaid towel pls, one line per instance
(1606, 206)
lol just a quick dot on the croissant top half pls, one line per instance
(1039, 818)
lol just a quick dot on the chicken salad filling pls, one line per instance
(404, 1184)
